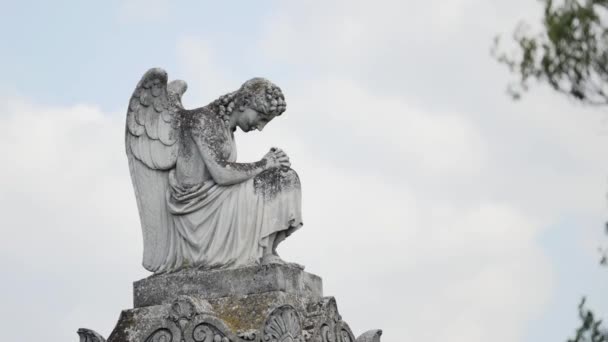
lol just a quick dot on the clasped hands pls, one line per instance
(276, 158)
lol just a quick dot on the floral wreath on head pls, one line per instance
(258, 94)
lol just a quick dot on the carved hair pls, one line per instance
(258, 93)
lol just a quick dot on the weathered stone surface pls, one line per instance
(270, 303)
(370, 336)
(242, 313)
(200, 210)
(87, 335)
(177, 156)
(325, 323)
(269, 317)
(169, 322)
(161, 289)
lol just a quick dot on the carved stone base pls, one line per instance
(286, 312)
(165, 288)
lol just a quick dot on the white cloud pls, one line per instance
(75, 214)
(425, 262)
(70, 229)
(422, 216)
(207, 77)
(469, 189)
(362, 34)
(431, 142)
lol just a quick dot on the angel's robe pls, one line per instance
(217, 226)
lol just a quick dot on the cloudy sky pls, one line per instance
(435, 208)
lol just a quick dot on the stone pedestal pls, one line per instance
(238, 282)
(260, 303)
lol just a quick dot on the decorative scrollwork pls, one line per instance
(205, 332)
(326, 322)
(327, 333)
(160, 335)
(344, 333)
(370, 336)
(345, 336)
(283, 325)
(182, 309)
(248, 335)
(88, 335)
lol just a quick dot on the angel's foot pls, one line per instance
(274, 259)
(290, 264)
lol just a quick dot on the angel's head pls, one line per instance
(258, 101)
(254, 105)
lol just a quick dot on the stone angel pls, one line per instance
(198, 207)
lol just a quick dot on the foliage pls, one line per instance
(590, 329)
(569, 53)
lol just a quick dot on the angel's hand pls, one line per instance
(271, 160)
(276, 158)
(282, 157)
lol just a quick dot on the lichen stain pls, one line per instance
(274, 181)
(243, 313)
(126, 323)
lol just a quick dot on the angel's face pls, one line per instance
(251, 119)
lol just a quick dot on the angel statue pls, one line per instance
(198, 207)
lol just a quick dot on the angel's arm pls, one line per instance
(227, 173)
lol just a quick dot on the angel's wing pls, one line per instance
(151, 144)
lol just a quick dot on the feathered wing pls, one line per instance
(151, 141)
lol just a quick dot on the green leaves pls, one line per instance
(569, 53)
(590, 329)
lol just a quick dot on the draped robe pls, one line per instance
(226, 226)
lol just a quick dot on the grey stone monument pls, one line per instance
(211, 226)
